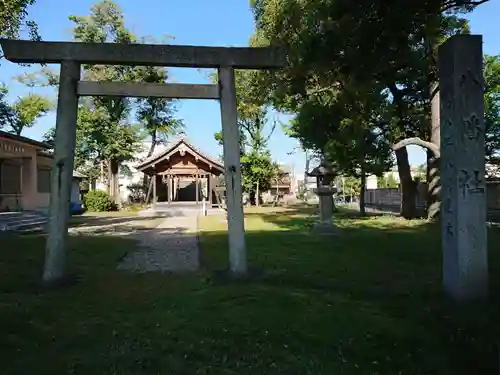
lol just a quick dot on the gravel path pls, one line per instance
(172, 246)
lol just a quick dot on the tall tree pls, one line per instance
(437, 28)
(105, 136)
(14, 19)
(6, 112)
(88, 150)
(258, 171)
(156, 115)
(341, 46)
(14, 22)
(365, 152)
(26, 110)
(387, 181)
(348, 131)
(112, 134)
(351, 187)
(492, 109)
(253, 111)
(256, 128)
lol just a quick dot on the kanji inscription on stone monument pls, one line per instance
(465, 264)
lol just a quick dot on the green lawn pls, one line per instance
(367, 301)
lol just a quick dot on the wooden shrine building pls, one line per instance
(182, 174)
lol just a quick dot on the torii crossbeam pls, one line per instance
(23, 51)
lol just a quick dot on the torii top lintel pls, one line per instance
(24, 51)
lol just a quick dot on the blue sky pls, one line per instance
(200, 22)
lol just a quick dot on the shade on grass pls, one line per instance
(365, 302)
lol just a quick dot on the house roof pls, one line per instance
(50, 155)
(285, 168)
(21, 139)
(148, 162)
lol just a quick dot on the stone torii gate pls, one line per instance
(71, 55)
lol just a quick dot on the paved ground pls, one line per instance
(112, 226)
(171, 246)
(164, 244)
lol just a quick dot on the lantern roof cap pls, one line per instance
(323, 169)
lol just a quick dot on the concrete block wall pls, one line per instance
(391, 197)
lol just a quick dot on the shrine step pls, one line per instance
(28, 221)
(179, 212)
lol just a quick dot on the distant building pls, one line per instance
(182, 171)
(415, 171)
(25, 170)
(284, 184)
(128, 175)
(371, 182)
(310, 183)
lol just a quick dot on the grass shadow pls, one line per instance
(363, 302)
(388, 268)
(88, 221)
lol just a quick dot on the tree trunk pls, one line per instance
(306, 177)
(114, 189)
(257, 195)
(408, 186)
(252, 198)
(109, 184)
(433, 161)
(306, 171)
(101, 173)
(145, 178)
(362, 208)
(153, 144)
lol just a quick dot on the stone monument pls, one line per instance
(324, 174)
(463, 215)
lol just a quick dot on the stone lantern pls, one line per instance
(324, 174)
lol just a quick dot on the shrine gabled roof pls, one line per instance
(25, 140)
(188, 146)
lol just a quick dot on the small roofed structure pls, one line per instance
(182, 174)
(323, 173)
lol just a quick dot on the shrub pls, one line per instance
(137, 193)
(98, 201)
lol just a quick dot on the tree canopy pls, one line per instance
(492, 108)
(14, 19)
(360, 76)
(256, 127)
(24, 112)
(107, 136)
(156, 115)
(14, 22)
